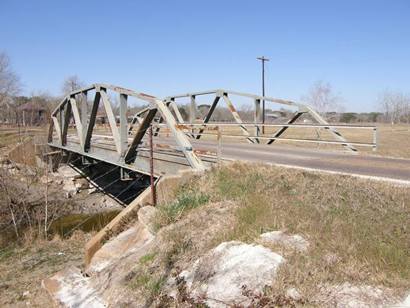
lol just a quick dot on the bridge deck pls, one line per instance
(168, 158)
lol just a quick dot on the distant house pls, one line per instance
(31, 113)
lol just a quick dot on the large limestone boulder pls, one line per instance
(220, 276)
(69, 288)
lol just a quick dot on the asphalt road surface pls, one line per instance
(356, 164)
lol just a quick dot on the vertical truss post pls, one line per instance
(192, 113)
(84, 112)
(50, 130)
(61, 120)
(151, 166)
(91, 123)
(123, 123)
(374, 139)
(192, 110)
(160, 121)
(66, 114)
(58, 130)
(257, 117)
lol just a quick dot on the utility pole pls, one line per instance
(263, 60)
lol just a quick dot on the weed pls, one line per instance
(185, 200)
(147, 258)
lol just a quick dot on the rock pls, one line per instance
(293, 294)
(71, 289)
(331, 259)
(46, 180)
(347, 295)
(82, 184)
(404, 304)
(70, 187)
(291, 241)
(220, 275)
(110, 203)
(146, 216)
(67, 172)
(136, 238)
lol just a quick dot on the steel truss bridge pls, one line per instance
(124, 144)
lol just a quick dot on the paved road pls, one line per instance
(395, 169)
(362, 165)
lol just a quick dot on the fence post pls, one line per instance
(374, 139)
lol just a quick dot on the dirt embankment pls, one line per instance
(33, 199)
(32, 195)
(329, 240)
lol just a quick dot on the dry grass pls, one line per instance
(357, 229)
(24, 266)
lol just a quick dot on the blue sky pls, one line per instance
(168, 47)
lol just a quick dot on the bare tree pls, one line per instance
(322, 98)
(9, 87)
(71, 83)
(9, 81)
(395, 106)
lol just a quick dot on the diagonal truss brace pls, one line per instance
(281, 130)
(131, 153)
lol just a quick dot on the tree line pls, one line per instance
(392, 106)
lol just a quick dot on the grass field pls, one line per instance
(357, 229)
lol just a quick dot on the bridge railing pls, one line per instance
(259, 124)
(128, 135)
(216, 129)
(74, 109)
